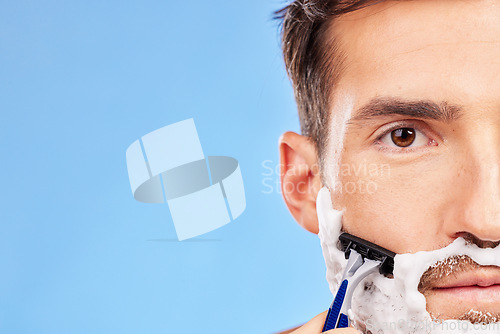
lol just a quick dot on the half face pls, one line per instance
(417, 110)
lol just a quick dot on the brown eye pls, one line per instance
(403, 137)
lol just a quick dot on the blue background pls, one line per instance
(79, 82)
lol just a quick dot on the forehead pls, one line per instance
(434, 49)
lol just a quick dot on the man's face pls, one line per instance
(420, 164)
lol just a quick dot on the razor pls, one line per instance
(364, 258)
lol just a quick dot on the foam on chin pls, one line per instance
(383, 305)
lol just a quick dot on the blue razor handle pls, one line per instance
(357, 269)
(335, 319)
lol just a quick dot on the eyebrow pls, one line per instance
(386, 106)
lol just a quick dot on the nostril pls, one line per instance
(481, 243)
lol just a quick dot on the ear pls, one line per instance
(300, 178)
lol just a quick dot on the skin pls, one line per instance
(316, 324)
(446, 183)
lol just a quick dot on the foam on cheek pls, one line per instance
(383, 305)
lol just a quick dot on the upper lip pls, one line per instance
(482, 277)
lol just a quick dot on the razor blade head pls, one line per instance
(368, 250)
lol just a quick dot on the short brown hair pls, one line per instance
(313, 60)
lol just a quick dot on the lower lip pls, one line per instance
(473, 293)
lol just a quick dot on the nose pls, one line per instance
(477, 212)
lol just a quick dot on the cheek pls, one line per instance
(400, 207)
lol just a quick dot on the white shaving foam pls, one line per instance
(384, 305)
